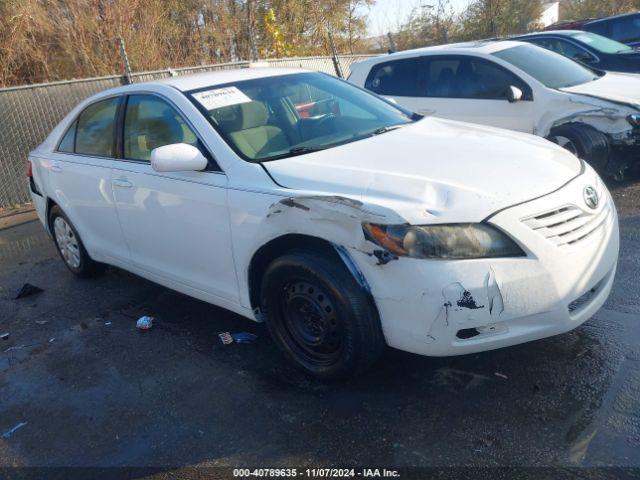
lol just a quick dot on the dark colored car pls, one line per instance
(588, 48)
(571, 25)
(622, 28)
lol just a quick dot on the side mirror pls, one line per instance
(178, 157)
(514, 94)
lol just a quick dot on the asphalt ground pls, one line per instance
(92, 391)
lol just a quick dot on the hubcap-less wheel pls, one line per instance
(310, 320)
(566, 143)
(67, 242)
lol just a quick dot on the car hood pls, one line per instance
(617, 87)
(434, 171)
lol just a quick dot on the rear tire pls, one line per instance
(319, 316)
(585, 142)
(70, 246)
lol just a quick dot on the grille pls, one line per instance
(569, 224)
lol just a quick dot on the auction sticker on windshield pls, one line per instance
(221, 97)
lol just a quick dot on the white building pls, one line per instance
(550, 13)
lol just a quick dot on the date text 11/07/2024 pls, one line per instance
(315, 473)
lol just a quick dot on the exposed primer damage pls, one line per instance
(605, 116)
(338, 219)
(459, 306)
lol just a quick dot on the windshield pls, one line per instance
(549, 68)
(285, 115)
(600, 43)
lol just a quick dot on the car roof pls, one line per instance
(553, 32)
(486, 47)
(221, 77)
(563, 25)
(613, 17)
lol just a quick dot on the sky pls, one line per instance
(386, 15)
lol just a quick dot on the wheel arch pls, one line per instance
(595, 143)
(279, 246)
(49, 205)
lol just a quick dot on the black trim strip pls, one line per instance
(270, 176)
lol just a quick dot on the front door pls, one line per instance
(176, 223)
(471, 89)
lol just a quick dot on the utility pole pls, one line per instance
(334, 55)
(392, 44)
(125, 58)
(253, 51)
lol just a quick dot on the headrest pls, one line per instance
(254, 115)
(242, 116)
(162, 131)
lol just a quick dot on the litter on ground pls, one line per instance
(27, 290)
(8, 433)
(144, 323)
(242, 337)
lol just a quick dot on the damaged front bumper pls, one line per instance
(624, 155)
(442, 308)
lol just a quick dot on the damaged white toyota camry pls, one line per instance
(339, 219)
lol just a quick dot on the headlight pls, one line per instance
(634, 120)
(452, 242)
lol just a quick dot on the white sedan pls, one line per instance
(342, 221)
(517, 86)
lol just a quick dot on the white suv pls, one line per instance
(338, 218)
(517, 86)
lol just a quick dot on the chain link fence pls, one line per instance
(28, 113)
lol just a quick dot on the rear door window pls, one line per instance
(95, 134)
(399, 78)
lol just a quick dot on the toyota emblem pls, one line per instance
(591, 197)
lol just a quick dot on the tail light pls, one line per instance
(29, 169)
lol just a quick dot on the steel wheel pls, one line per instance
(67, 242)
(319, 316)
(566, 143)
(310, 320)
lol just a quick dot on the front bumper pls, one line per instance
(442, 308)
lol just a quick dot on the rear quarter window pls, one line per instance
(67, 144)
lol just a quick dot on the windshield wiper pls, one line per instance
(303, 150)
(382, 130)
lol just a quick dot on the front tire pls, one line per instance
(70, 247)
(319, 316)
(585, 142)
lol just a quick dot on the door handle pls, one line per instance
(56, 168)
(122, 183)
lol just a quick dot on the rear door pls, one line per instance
(175, 223)
(80, 180)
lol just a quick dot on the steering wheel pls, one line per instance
(325, 118)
